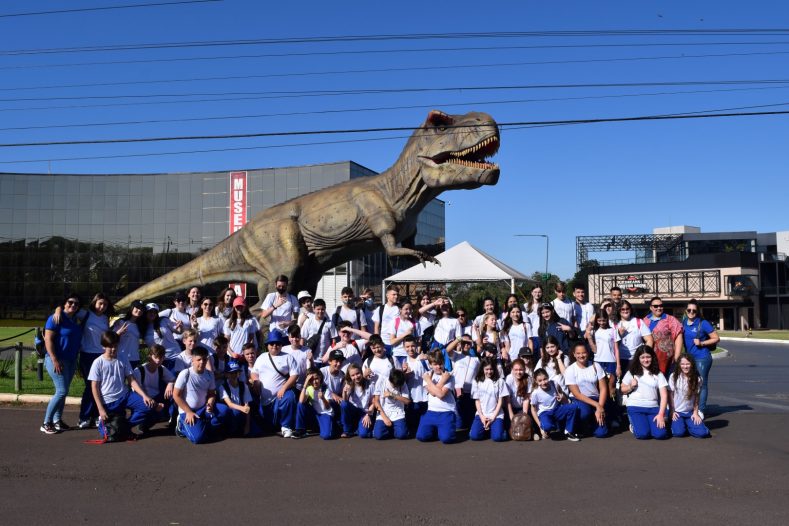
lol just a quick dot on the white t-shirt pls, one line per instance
(381, 367)
(489, 393)
(394, 409)
(316, 401)
(647, 393)
(583, 314)
(151, 383)
(447, 329)
(478, 323)
(334, 383)
(512, 387)
(111, 374)
(679, 393)
(533, 317)
(129, 344)
(300, 355)
(636, 330)
(564, 309)
(395, 329)
(352, 352)
(545, 400)
(518, 336)
(282, 315)
(358, 321)
(362, 398)
(174, 315)
(585, 378)
(208, 330)
(416, 389)
(195, 387)
(243, 332)
(604, 341)
(270, 380)
(310, 328)
(440, 405)
(182, 361)
(390, 313)
(464, 369)
(166, 340)
(426, 320)
(551, 367)
(233, 393)
(95, 326)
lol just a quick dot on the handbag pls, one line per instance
(521, 427)
(313, 341)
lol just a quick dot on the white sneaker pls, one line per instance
(701, 415)
(287, 432)
(536, 437)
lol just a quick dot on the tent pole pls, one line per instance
(512, 285)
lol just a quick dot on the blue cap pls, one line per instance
(276, 336)
(233, 367)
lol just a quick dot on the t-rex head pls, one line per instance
(452, 150)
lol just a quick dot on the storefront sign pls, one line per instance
(633, 285)
(238, 215)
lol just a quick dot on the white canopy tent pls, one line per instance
(461, 263)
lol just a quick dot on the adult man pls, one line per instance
(277, 374)
(582, 308)
(387, 312)
(564, 307)
(666, 333)
(280, 305)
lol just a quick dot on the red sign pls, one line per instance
(238, 215)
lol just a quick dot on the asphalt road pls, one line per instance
(739, 475)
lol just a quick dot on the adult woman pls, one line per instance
(62, 340)
(207, 325)
(633, 333)
(552, 325)
(224, 304)
(516, 334)
(699, 337)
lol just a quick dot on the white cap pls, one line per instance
(152, 306)
(303, 294)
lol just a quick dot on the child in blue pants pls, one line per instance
(684, 387)
(648, 396)
(391, 398)
(109, 375)
(235, 400)
(551, 408)
(356, 408)
(314, 409)
(195, 396)
(440, 416)
(488, 392)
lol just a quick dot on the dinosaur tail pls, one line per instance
(221, 263)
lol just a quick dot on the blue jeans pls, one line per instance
(644, 425)
(351, 418)
(87, 407)
(497, 431)
(62, 382)
(399, 430)
(703, 365)
(684, 425)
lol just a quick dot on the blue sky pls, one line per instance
(719, 174)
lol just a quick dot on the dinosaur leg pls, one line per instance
(392, 249)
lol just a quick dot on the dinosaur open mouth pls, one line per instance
(473, 156)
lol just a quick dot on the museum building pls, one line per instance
(61, 233)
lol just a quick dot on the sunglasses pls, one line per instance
(657, 306)
(72, 302)
(207, 304)
(624, 310)
(691, 311)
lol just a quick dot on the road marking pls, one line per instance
(747, 401)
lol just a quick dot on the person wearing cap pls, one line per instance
(276, 374)
(178, 314)
(241, 328)
(305, 307)
(280, 305)
(234, 402)
(334, 379)
(161, 331)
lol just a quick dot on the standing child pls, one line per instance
(302, 355)
(604, 342)
(109, 375)
(379, 365)
(314, 408)
(489, 392)
(440, 416)
(234, 406)
(391, 397)
(685, 386)
(464, 370)
(157, 381)
(195, 396)
(646, 405)
(551, 409)
(356, 408)
(414, 368)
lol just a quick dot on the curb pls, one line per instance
(724, 353)
(34, 399)
(755, 340)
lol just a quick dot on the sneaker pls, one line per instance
(48, 429)
(572, 437)
(295, 434)
(60, 425)
(178, 431)
(287, 432)
(85, 424)
(631, 429)
(701, 415)
(536, 437)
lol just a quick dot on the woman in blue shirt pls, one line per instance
(62, 340)
(552, 325)
(699, 336)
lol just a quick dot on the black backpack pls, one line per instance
(160, 369)
(336, 318)
(115, 428)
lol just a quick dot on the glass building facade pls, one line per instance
(112, 233)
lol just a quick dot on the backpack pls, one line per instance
(115, 428)
(241, 391)
(369, 360)
(160, 369)
(336, 318)
(521, 427)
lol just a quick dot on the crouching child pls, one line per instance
(234, 405)
(157, 382)
(195, 396)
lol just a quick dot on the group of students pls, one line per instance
(389, 371)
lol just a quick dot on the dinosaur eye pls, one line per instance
(440, 119)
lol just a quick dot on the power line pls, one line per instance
(405, 36)
(383, 129)
(388, 70)
(384, 108)
(389, 51)
(291, 94)
(105, 8)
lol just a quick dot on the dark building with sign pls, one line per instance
(738, 277)
(115, 232)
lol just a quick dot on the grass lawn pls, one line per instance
(8, 332)
(767, 335)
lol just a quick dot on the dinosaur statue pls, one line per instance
(304, 237)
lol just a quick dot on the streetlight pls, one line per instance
(545, 276)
